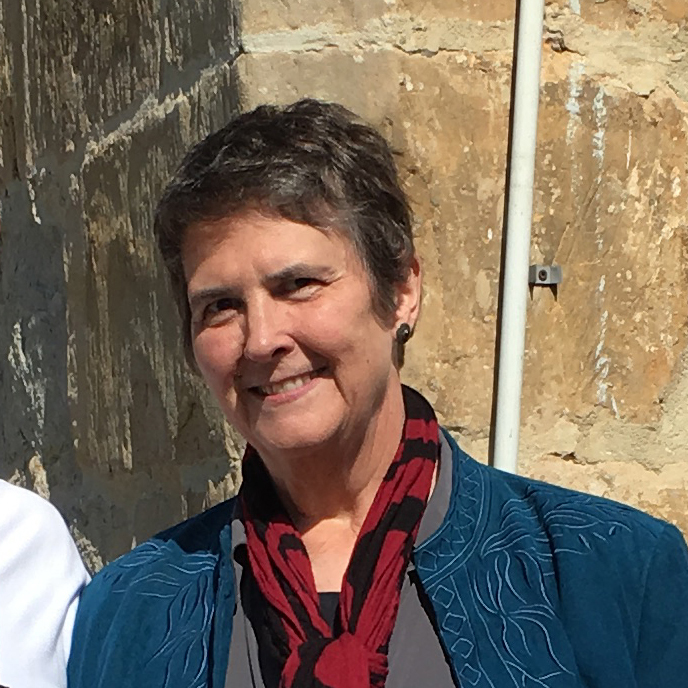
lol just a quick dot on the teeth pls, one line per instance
(287, 385)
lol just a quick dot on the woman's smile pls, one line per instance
(289, 388)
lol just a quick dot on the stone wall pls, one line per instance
(99, 101)
(97, 408)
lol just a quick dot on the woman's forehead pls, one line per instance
(268, 243)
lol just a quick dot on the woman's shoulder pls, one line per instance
(34, 533)
(568, 514)
(553, 506)
(508, 509)
(25, 510)
(603, 580)
(41, 576)
(153, 599)
(197, 540)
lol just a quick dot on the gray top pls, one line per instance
(416, 657)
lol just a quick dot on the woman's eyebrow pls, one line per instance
(297, 270)
(203, 295)
(290, 272)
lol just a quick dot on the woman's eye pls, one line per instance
(303, 283)
(219, 311)
(223, 305)
(300, 286)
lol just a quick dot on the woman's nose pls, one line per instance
(266, 334)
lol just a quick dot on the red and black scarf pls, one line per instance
(369, 600)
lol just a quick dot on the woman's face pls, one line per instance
(284, 331)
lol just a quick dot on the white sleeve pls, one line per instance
(41, 577)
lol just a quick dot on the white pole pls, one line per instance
(519, 217)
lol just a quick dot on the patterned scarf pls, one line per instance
(369, 600)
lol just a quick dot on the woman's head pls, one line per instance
(310, 162)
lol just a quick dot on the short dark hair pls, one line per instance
(311, 162)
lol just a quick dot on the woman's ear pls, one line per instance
(409, 295)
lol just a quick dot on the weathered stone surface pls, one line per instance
(475, 10)
(144, 424)
(610, 207)
(612, 14)
(636, 50)
(80, 66)
(456, 160)
(84, 68)
(270, 15)
(5, 100)
(280, 15)
(283, 77)
(399, 31)
(99, 412)
(196, 35)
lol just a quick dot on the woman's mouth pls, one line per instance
(287, 385)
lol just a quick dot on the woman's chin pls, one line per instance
(296, 421)
(292, 442)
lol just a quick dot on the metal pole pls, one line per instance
(519, 217)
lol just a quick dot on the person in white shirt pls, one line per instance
(41, 577)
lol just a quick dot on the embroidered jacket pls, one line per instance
(532, 586)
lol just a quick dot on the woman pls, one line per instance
(364, 548)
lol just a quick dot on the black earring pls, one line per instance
(403, 333)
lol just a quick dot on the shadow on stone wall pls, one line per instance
(99, 412)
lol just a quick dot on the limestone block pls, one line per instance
(402, 30)
(611, 14)
(620, 317)
(353, 15)
(454, 115)
(278, 15)
(613, 213)
(99, 408)
(283, 77)
(625, 44)
(6, 142)
(476, 10)
(83, 64)
(196, 35)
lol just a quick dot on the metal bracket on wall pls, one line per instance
(545, 275)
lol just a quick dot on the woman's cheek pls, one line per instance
(216, 355)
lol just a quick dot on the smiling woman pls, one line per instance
(364, 548)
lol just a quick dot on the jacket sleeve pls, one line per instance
(662, 655)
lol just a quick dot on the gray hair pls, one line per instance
(311, 162)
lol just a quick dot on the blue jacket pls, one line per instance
(532, 586)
